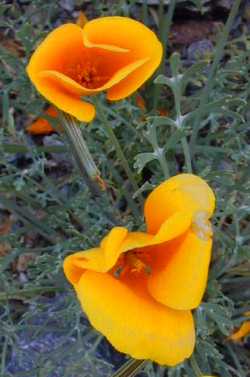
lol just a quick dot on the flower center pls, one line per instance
(202, 226)
(134, 261)
(87, 74)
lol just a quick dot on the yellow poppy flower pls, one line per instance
(112, 54)
(138, 288)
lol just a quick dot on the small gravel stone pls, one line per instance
(198, 50)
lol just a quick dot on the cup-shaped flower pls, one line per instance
(138, 288)
(112, 54)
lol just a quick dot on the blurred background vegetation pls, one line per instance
(194, 115)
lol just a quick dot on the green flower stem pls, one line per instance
(132, 205)
(164, 166)
(24, 214)
(4, 356)
(187, 154)
(145, 12)
(210, 81)
(117, 146)
(130, 368)
(236, 360)
(80, 149)
(184, 143)
(164, 26)
(84, 161)
(21, 293)
(195, 366)
(158, 151)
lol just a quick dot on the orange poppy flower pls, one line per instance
(113, 54)
(41, 126)
(138, 288)
(243, 331)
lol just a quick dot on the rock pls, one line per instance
(191, 31)
(54, 347)
(227, 4)
(54, 140)
(67, 5)
(24, 260)
(198, 50)
(246, 12)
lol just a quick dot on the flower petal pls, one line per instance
(173, 227)
(55, 50)
(52, 54)
(65, 100)
(135, 80)
(119, 241)
(133, 322)
(184, 192)
(75, 88)
(180, 271)
(130, 35)
(98, 259)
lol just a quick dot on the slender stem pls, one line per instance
(80, 150)
(158, 151)
(117, 146)
(184, 143)
(130, 368)
(124, 191)
(15, 148)
(195, 366)
(236, 360)
(187, 154)
(4, 355)
(210, 82)
(85, 162)
(165, 24)
(145, 12)
(27, 217)
(164, 166)
(27, 292)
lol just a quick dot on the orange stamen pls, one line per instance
(133, 261)
(86, 74)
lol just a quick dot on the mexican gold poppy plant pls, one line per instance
(42, 126)
(112, 54)
(138, 288)
(243, 331)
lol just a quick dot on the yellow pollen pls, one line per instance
(202, 226)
